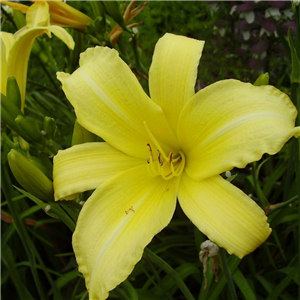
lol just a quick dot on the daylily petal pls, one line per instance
(230, 124)
(64, 15)
(7, 40)
(116, 223)
(224, 214)
(18, 58)
(84, 167)
(63, 35)
(38, 15)
(19, 54)
(110, 102)
(21, 7)
(173, 73)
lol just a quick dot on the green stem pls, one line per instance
(256, 185)
(228, 275)
(139, 64)
(148, 254)
(30, 249)
(284, 204)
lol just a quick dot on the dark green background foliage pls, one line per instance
(37, 256)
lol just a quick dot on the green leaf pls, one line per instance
(295, 74)
(9, 262)
(243, 285)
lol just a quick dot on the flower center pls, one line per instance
(167, 166)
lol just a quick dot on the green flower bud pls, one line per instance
(49, 126)
(13, 92)
(7, 119)
(29, 128)
(81, 135)
(263, 79)
(10, 107)
(30, 177)
(100, 24)
(19, 18)
(23, 144)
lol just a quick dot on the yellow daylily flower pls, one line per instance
(61, 14)
(173, 145)
(16, 48)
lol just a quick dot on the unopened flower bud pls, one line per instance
(10, 106)
(30, 177)
(23, 144)
(263, 79)
(9, 111)
(100, 24)
(13, 92)
(29, 128)
(49, 126)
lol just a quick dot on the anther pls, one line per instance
(155, 141)
(171, 158)
(151, 153)
(159, 159)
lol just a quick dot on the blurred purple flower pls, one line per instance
(256, 28)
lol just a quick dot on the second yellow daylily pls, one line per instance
(61, 14)
(16, 47)
(173, 145)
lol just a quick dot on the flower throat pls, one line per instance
(167, 166)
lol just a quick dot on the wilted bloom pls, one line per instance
(61, 14)
(16, 48)
(174, 144)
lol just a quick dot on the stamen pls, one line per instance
(171, 157)
(151, 152)
(181, 162)
(159, 158)
(166, 166)
(166, 177)
(155, 142)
